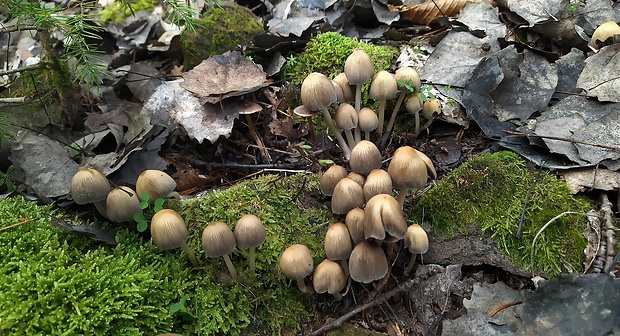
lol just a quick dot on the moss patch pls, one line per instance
(490, 191)
(119, 11)
(54, 282)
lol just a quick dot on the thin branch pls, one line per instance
(11, 29)
(213, 165)
(521, 134)
(26, 68)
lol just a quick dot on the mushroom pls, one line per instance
(318, 93)
(358, 69)
(382, 88)
(367, 121)
(409, 169)
(248, 108)
(383, 214)
(330, 178)
(605, 34)
(90, 186)
(156, 184)
(346, 118)
(414, 105)
(296, 263)
(249, 233)
(329, 277)
(339, 92)
(169, 231)
(347, 91)
(377, 182)
(406, 78)
(303, 112)
(355, 223)
(218, 240)
(416, 240)
(357, 177)
(121, 204)
(367, 262)
(338, 245)
(347, 195)
(430, 108)
(365, 157)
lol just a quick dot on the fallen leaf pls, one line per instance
(427, 11)
(286, 128)
(600, 75)
(90, 231)
(582, 179)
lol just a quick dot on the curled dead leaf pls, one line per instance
(427, 11)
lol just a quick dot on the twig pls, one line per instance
(26, 68)
(11, 29)
(209, 165)
(610, 239)
(16, 100)
(23, 221)
(499, 308)
(405, 286)
(521, 134)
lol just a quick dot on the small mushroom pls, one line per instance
(90, 186)
(296, 263)
(248, 108)
(359, 69)
(430, 108)
(383, 214)
(169, 231)
(347, 90)
(365, 157)
(346, 118)
(347, 195)
(377, 182)
(409, 169)
(367, 262)
(382, 88)
(329, 277)
(330, 178)
(357, 177)
(355, 223)
(121, 204)
(156, 184)
(416, 240)
(218, 240)
(338, 245)
(303, 112)
(605, 35)
(406, 77)
(367, 121)
(250, 233)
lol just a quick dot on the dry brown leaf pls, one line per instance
(426, 12)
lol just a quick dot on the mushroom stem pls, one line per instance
(252, 258)
(358, 98)
(174, 195)
(231, 268)
(358, 136)
(259, 142)
(337, 296)
(367, 135)
(426, 124)
(350, 140)
(381, 116)
(190, 255)
(388, 129)
(417, 124)
(401, 197)
(410, 264)
(303, 288)
(345, 267)
(101, 208)
(343, 145)
(311, 130)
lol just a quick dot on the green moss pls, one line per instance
(119, 11)
(220, 29)
(490, 191)
(54, 282)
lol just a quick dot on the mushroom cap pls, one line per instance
(317, 92)
(339, 92)
(296, 262)
(302, 111)
(155, 183)
(347, 91)
(367, 120)
(218, 239)
(168, 229)
(328, 277)
(338, 244)
(365, 157)
(406, 74)
(377, 182)
(121, 204)
(414, 103)
(330, 178)
(249, 231)
(431, 107)
(357, 177)
(346, 116)
(368, 262)
(89, 185)
(383, 86)
(416, 239)
(384, 214)
(355, 223)
(358, 67)
(604, 32)
(347, 195)
(410, 168)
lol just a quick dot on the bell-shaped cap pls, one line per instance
(431, 107)
(296, 262)
(408, 75)
(218, 240)
(121, 204)
(330, 178)
(154, 183)
(317, 92)
(384, 214)
(346, 116)
(347, 195)
(410, 168)
(338, 244)
(383, 86)
(249, 232)
(365, 157)
(368, 262)
(367, 120)
(358, 67)
(329, 277)
(377, 182)
(348, 92)
(355, 223)
(168, 229)
(89, 185)
(416, 239)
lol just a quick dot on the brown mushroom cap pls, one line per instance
(355, 223)
(218, 240)
(168, 229)
(347, 195)
(408, 169)
(330, 178)
(383, 214)
(405, 75)
(416, 239)
(346, 116)
(377, 182)
(603, 33)
(347, 91)
(357, 177)
(338, 244)
(358, 67)
(365, 157)
(249, 232)
(367, 120)
(431, 107)
(296, 262)
(317, 92)
(121, 204)
(89, 185)
(383, 86)
(154, 183)
(328, 277)
(339, 92)
(414, 103)
(368, 262)
(302, 111)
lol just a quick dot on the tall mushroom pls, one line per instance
(346, 118)
(318, 93)
(250, 233)
(416, 240)
(169, 231)
(382, 88)
(121, 204)
(296, 263)
(409, 169)
(329, 277)
(368, 262)
(218, 240)
(156, 184)
(367, 121)
(359, 69)
(248, 108)
(90, 186)
(406, 78)
(338, 245)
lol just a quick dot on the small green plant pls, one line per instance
(145, 205)
(426, 93)
(407, 85)
(574, 5)
(183, 310)
(6, 179)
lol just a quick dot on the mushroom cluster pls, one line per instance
(319, 94)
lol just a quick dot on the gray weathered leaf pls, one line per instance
(601, 75)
